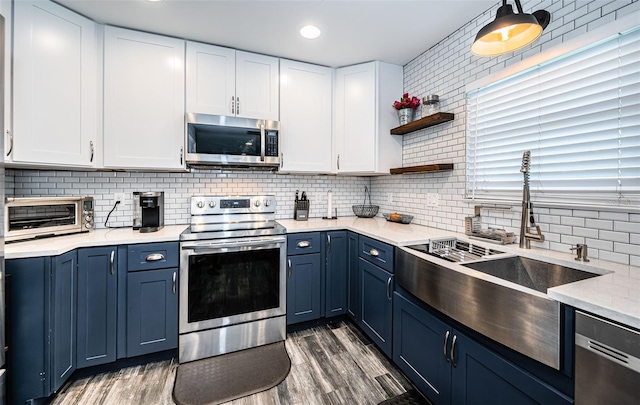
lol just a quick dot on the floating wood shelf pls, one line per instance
(426, 168)
(424, 122)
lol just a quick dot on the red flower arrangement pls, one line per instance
(406, 102)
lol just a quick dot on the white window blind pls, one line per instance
(578, 114)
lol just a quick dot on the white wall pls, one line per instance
(445, 70)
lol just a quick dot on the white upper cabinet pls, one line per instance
(363, 117)
(7, 14)
(223, 81)
(305, 117)
(211, 79)
(54, 88)
(143, 100)
(256, 86)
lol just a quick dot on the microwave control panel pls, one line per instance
(271, 143)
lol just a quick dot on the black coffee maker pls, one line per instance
(148, 211)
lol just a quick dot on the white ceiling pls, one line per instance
(352, 31)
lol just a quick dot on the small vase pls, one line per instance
(406, 115)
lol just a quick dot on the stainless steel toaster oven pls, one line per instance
(37, 217)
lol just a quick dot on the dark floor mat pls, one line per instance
(411, 397)
(223, 378)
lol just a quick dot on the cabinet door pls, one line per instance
(480, 376)
(305, 117)
(353, 278)
(6, 10)
(97, 285)
(257, 86)
(152, 311)
(377, 287)
(303, 288)
(143, 100)
(336, 273)
(55, 86)
(420, 349)
(63, 310)
(27, 331)
(355, 129)
(211, 79)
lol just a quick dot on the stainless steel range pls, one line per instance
(232, 277)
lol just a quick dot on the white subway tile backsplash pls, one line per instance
(599, 224)
(626, 226)
(614, 257)
(614, 236)
(585, 232)
(626, 248)
(614, 216)
(599, 244)
(573, 221)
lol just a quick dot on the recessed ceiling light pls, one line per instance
(310, 31)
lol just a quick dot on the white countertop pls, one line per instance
(101, 237)
(614, 296)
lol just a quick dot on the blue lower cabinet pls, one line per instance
(449, 367)
(336, 273)
(27, 329)
(304, 278)
(152, 311)
(377, 308)
(97, 305)
(420, 349)
(353, 278)
(63, 318)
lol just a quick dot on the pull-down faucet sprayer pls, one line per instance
(526, 235)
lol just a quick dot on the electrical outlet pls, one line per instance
(433, 199)
(119, 197)
(389, 198)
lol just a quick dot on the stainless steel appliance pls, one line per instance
(36, 217)
(214, 140)
(607, 362)
(148, 211)
(232, 277)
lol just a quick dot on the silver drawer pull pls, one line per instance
(154, 257)
(304, 244)
(173, 284)
(374, 253)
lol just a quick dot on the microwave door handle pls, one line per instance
(262, 141)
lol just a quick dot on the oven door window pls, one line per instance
(41, 216)
(233, 283)
(226, 140)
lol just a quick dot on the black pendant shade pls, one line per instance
(510, 31)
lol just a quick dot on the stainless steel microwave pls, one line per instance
(37, 217)
(220, 141)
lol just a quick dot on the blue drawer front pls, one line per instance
(378, 253)
(150, 256)
(303, 243)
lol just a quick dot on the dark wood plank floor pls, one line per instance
(330, 364)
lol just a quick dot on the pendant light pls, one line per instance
(510, 31)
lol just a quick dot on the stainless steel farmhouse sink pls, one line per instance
(517, 313)
(530, 273)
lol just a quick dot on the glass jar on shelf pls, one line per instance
(430, 105)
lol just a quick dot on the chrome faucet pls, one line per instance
(526, 231)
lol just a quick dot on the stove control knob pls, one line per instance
(267, 203)
(212, 203)
(200, 204)
(88, 225)
(257, 203)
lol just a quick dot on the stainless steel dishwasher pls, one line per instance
(607, 362)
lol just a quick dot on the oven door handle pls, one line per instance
(208, 246)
